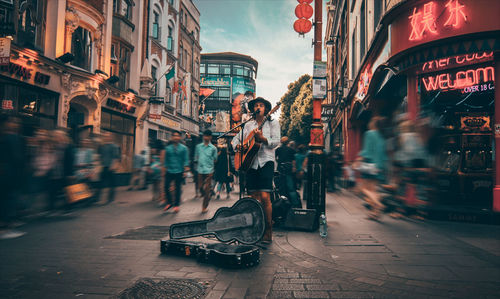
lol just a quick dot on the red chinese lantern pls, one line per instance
(302, 26)
(305, 1)
(304, 10)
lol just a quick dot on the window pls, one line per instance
(213, 69)
(81, 48)
(246, 71)
(377, 10)
(124, 68)
(202, 69)
(225, 70)
(126, 9)
(172, 2)
(353, 53)
(156, 25)
(181, 17)
(238, 70)
(31, 28)
(153, 75)
(185, 59)
(123, 8)
(362, 31)
(181, 53)
(196, 69)
(170, 40)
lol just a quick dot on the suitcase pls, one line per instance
(242, 223)
(302, 219)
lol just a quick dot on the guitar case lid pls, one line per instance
(243, 222)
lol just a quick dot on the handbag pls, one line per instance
(77, 192)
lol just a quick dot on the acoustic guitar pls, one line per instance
(250, 147)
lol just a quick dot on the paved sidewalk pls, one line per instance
(87, 256)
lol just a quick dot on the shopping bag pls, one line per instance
(77, 192)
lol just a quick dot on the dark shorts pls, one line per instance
(260, 179)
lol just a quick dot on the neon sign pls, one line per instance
(466, 80)
(422, 22)
(364, 82)
(456, 11)
(434, 65)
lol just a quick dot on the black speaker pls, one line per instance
(302, 219)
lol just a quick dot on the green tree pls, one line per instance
(288, 99)
(296, 110)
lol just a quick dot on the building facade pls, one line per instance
(93, 66)
(433, 63)
(227, 76)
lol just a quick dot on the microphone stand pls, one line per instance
(242, 125)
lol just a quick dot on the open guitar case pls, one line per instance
(236, 228)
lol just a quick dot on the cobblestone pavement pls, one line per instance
(84, 256)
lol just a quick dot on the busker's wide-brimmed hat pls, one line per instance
(262, 100)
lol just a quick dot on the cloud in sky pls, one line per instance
(262, 29)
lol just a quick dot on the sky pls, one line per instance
(262, 29)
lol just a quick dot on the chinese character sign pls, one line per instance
(426, 20)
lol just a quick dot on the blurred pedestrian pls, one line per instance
(350, 177)
(62, 172)
(176, 163)
(223, 175)
(109, 154)
(205, 155)
(285, 156)
(155, 170)
(11, 170)
(371, 162)
(137, 180)
(299, 158)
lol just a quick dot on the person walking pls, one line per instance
(137, 179)
(154, 170)
(109, 154)
(372, 163)
(223, 171)
(205, 155)
(259, 178)
(176, 165)
(299, 158)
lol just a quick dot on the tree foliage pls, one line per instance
(296, 110)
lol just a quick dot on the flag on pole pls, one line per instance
(171, 76)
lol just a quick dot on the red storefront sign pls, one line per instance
(433, 20)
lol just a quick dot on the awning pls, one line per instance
(387, 84)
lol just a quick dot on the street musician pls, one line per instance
(259, 178)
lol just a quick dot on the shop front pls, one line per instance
(448, 53)
(119, 119)
(29, 92)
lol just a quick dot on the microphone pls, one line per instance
(254, 114)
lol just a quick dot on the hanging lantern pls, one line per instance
(305, 1)
(304, 10)
(302, 26)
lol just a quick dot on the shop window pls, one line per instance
(105, 120)
(31, 23)
(81, 48)
(224, 92)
